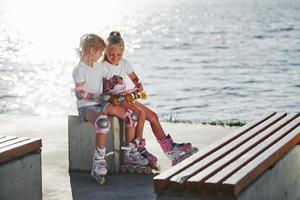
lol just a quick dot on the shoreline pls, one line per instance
(231, 123)
(163, 119)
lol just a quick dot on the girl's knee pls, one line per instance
(152, 117)
(141, 114)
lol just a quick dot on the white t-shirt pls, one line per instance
(122, 70)
(93, 79)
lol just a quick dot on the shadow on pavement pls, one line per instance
(120, 186)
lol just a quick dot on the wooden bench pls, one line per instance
(20, 168)
(82, 143)
(236, 166)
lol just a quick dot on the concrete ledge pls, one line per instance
(282, 181)
(82, 141)
(21, 178)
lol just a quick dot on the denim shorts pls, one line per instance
(83, 110)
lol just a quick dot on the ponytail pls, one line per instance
(115, 38)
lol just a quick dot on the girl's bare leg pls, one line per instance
(130, 135)
(154, 121)
(141, 118)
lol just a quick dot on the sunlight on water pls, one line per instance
(50, 28)
(197, 59)
(41, 38)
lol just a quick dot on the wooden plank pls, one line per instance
(20, 149)
(5, 139)
(182, 177)
(235, 183)
(14, 141)
(212, 185)
(196, 181)
(161, 181)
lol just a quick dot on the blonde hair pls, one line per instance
(114, 38)
(89, 41)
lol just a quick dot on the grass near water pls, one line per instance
(232, 122)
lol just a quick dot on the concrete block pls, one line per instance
(21, 178)
(82, 143)
(282, 181)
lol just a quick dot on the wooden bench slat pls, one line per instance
(11, 142)
(5, 139)
(212, 184)
(161, 181)
(225, 150)
(197, 180)
(19, 149)
(235, 183)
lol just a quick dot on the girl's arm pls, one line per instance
(135, 80)
(80, 93)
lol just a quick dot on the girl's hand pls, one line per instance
(99, 97)
(104, 97)
(80, 93)
(140, 86)
(134, 78)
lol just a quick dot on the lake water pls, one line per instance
(198, 60)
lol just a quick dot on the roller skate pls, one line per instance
(99, 169)
(152, 160)
(187, 148)
(133, 161)
(176, 152)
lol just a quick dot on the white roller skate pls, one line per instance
(99, 169)
(176, 152)
(133, 161)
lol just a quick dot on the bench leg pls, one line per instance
(21, 178)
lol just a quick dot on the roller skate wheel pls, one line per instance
(194, 150)
(123, 169)
(176, 161)
(131, 169)
(101, 180)
(156, 167)
(148, 170)
(139, 170)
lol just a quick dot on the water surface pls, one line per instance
(198, 60)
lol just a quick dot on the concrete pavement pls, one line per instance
(59, 184)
